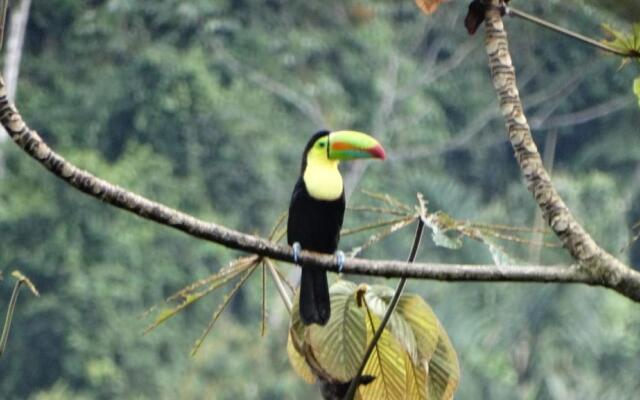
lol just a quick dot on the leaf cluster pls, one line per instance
(413, 359)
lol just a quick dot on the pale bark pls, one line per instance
(593, 260)
(14, 45)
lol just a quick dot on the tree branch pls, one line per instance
(624, 281)
(582, 38)
(595, 261)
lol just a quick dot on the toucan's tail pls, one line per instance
(315, 305)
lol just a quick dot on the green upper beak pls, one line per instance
(349, 145)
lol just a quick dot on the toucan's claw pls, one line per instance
(296, 252)
(340, 257)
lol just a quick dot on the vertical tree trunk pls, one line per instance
(13, 50)
(14, 45)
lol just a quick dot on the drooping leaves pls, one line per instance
(434, 347)
(388, 364)
(199, 289)
(338, 346)
(413, 359)
(298, 362)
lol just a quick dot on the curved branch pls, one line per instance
(31, 143)
(595, 261)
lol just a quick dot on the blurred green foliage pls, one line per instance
(206, 105)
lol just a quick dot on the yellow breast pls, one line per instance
(322, 179)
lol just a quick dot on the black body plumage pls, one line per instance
(315, 224)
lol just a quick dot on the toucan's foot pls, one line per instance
(340, 257)
(296, 251)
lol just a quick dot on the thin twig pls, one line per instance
(510, 11)
(500, 227)
(518, 239)
(21, 279)
(373, 225)
(221, 308)
(276, 227)
(387, 316)
(9, 317)
(378, 210)
(263, 322)
(286, 298)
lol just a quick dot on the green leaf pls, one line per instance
(423, 322)
(413, 359)
(298, 362)
(339, 346)
(434, 347)
(636, 88)
(388, 364)
(416, 379)
(378, 298)
(444, 370)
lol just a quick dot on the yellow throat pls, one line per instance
(321, 176)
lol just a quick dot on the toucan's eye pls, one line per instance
(322, 144)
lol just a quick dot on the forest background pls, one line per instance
(206, 105)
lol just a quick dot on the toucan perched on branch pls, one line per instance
(317, 208)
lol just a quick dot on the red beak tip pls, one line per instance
(378, 152)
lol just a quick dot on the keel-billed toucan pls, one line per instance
(317, 208)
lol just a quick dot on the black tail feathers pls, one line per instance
(315, 304)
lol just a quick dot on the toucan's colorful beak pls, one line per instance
(349, 145)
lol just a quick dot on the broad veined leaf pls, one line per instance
(434, 347)
(340, 345)
(444, 370)
(413, 359)
(416, 379)
(388, 364)
(298, 362)
(378, 298)
(423, 322)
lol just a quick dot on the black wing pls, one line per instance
(315, 224)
